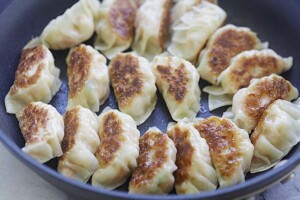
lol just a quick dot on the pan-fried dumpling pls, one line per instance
(76, 25)
(115, 28)
(118, 150)
(134, 85)
(242, 69)
(177, 80)
(79, 144)
(194, 29)
(278, 130)
(183, 6)
(156, 164)
(152, 27)
(248, 65)
(223, 45)
(43, 130)
(195, 172)
(230, 149)
(88, 78)
(252, 64)
(36, 79)
(250, 103)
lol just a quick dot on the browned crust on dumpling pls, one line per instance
(78, 69)
(121, 17)
(147, 164)
(184, 154)
(29, 58)
(126, 78)
(71, 120)
(256, 66)
(257, 131)
(268, 90)
(227, 45)
(111, 138)
(164, 24)
(33, 118)
(221, 136)
(177, 80)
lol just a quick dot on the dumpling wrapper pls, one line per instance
(177, 81)
(195, 172)
(88, 78)
(134, 85)
(115, 29)
(250, 103)
(36, 79)
(230, 149)
(278, 130)
(79, 144)
(118, 150)
(195, 27)
(74, 26)
(43, 130)
(183, 6)
(156, 164)
(152, 27)
(227, 42)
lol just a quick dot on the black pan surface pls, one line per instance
(277, 22)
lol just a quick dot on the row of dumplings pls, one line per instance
(131, 76)
(143, 25)
(192, 157)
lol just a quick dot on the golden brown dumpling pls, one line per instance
(230, 149)
(155, 164)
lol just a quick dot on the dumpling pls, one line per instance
(156, 164)
(79, 144)
(88, 78)
(243, 68)
(252, 64)
(177, 81)
(230, 149)
(223, 45)
(74, 26)
(278, 130)
(43, 130)
(118, 150)
(36, 79)
(250, 103)
(152, 27)
(194, 29)
(195, 172)
(183, 6)
(248, 65)
(134, 85)
(115, 28)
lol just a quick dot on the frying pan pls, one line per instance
(275, 21)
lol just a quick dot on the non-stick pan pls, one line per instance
(277, 22)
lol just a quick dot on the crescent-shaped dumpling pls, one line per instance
(134, 85)
(36, 79)
(227, 42)
(118, 150)
(88, 78)
(230, 149)
(79, 144)
(43, 130)
(177, 80)
(155, 164)
(250, 103)
(195, 172)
